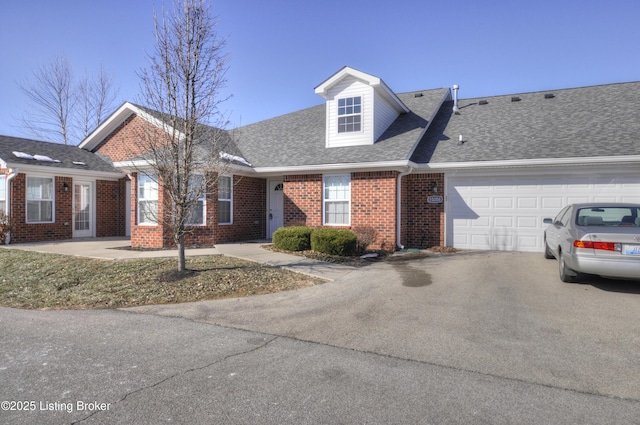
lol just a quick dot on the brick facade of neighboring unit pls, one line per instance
(422, 222)
(110, 207)
(248, 218)
(60, 229)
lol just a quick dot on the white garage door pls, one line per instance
(506, 212)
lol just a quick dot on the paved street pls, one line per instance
(469, 338)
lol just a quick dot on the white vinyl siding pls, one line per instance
(350, 88)
(225, 200)
(147, 200)
(3, 193)
(40, 199)
(384, 116)
(337, 200)
(506, 212)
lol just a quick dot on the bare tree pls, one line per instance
(50, 100)
(95, 98)
(182, 86)
(62, 110)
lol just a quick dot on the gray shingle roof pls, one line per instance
(298, 138)
(581, 122)
(67, 155)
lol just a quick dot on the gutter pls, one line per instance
(399, 206)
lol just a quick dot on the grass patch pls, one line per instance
(32, 280)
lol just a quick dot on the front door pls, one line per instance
(276, 210)
(82, 211)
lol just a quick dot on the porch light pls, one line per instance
(65, 186)
(434, 186)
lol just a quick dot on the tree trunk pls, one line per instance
(182, 261)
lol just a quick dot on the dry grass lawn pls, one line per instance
(33, 280)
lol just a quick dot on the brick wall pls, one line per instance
(373, 203)
(34, 232)
(302, 200)
(249, 211)
(110, 208)
(422, 222)
(126, 141)
(249, 207)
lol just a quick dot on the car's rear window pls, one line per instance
(608, 216)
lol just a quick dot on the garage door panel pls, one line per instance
(527, 202)
(506, 212)
(502, 202)
(503, 222)
(552, 203)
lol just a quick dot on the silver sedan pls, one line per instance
(596, 238)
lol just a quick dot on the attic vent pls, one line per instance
(549, 96)
(483, 102)
(515, 99)
(418, 95)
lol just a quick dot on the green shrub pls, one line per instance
(294, 238)
(334, 241)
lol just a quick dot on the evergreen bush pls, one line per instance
(334, 241)
(294, 238)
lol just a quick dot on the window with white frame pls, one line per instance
(225, 200)
(337, 199)
(197, 193)
(349, 114)
(147, 199)
(40, 194)
(3, 193)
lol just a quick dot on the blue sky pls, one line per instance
(281, 49)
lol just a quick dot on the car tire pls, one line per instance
(566, 274)
(547, 252)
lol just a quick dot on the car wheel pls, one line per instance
(547, 252)
(566, 274)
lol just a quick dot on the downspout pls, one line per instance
(11, 176)
(399, 206)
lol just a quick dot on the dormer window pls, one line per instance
(350, 114)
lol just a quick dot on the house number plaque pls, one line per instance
(434, 199)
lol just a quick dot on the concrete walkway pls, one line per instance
(117, 249)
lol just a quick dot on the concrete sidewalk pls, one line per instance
(117, 249)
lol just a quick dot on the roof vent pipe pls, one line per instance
(456, 110)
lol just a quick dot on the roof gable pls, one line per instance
(375, 82)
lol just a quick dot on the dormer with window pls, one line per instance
(359, 108)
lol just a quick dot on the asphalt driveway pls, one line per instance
(468, 338)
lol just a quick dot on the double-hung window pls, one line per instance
(225, 200)
(337, 200)
(3, 193)
(197, 194)
(147, 199)
(349, 114)
(40, 199)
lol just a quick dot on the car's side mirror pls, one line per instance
(547, 221)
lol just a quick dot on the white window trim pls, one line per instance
(360, 114)
(138, 199)
(324, 200)
(230, 200)
(52, 200)
(202, 199)
(3, 192)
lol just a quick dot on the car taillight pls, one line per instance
(606, 246)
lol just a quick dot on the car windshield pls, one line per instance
(609, 216)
